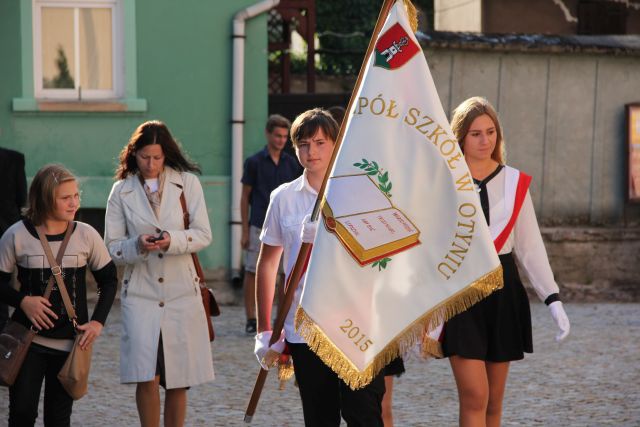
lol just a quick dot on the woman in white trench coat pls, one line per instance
(164, 332)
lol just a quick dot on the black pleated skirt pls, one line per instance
(498, 328)
(394, 368)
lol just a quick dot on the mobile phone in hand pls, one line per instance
(154, 239)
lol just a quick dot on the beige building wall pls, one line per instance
(564, 123)
(525, 16)
(458, 15)
(519, 16)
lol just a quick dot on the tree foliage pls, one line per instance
(63, 80)
(344, 28)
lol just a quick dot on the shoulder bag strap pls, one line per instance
(185, 212)
(194, 256)
(213, 306)
(56, 270)
(61, 251)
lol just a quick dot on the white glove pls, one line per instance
(309, 229)
(561, 319)
(267, 356)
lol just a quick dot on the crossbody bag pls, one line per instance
(16, 338)
(74, 374)
(209, 302)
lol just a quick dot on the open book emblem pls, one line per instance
(365, 221)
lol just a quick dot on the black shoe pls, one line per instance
(236, 282)
(250, 327)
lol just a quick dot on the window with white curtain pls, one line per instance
(77, 52)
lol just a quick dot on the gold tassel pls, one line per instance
(416, 332)
(285, 370)
(413, 15)
(431, 348)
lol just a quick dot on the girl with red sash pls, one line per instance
(482, 341)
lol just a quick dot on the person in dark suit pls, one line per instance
(12, 198)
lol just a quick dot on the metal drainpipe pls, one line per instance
(237, 126)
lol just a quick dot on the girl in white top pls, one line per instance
(482, 341)
(54, 199)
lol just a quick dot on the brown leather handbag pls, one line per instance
(14, 344)
(74, 374)
(15, 339)
(209, 302)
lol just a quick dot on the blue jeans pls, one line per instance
(40, 364)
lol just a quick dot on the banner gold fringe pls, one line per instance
(413, 15)
(412, 334)
(430, 348)
(285, 370)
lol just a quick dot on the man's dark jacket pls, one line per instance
(14, 187)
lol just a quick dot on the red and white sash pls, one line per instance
(503, 218)
(516, 184)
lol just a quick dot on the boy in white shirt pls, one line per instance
(325, 397)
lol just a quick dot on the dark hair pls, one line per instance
(466, 113)
(307, 124)
(277, 121)
(153, 132)
(337, 112)
(42, 192)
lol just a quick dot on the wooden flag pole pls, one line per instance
(305, 249)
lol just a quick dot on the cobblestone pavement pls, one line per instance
(592, 379)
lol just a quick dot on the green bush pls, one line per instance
(344, 28)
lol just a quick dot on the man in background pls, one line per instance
(12, 198)
(263, 173)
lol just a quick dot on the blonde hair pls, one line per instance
(42, 192)
(466, 113)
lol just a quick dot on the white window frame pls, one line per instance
(117, 43)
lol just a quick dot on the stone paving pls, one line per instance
(591, 379)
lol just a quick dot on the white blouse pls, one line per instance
(525, 240)
(289, 204)
(152, 184)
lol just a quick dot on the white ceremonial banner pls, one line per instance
(403, 244)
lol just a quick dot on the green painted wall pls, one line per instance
(183, 72)
(10, 80)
